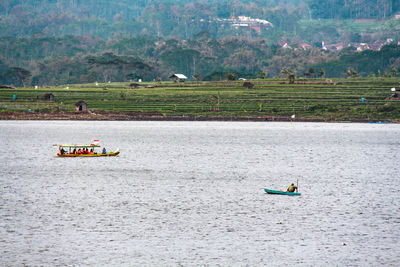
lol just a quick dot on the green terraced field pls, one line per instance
(307, 99)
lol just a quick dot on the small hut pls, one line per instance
(81, 106)
(248, 85)
(48, 97)
(134, 85)
(178, 77)
(7, 86)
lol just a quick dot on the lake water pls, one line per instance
(191, 194)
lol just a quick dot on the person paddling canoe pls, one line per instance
(291, 188)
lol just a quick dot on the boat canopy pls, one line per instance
(76, 146)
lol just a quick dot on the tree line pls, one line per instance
(67, 60)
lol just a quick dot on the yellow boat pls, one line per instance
(70, 151)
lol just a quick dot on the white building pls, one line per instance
(179, 77)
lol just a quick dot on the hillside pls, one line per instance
(76, 41)
(183, 19)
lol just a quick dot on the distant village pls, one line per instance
(259, 24)
(358, 47)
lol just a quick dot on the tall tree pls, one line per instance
(18, 75)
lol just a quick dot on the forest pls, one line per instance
(181, 19)
(54, 42)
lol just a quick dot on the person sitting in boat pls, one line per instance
(74, 152)
(62, 151)
(292, 188)
(104, 150)
(91, 151)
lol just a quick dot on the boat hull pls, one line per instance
(275, 192)
(111, 154)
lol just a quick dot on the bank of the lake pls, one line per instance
(134, 116)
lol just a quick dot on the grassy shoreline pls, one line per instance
(121, 116)
(356, 100)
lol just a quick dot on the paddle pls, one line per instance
(297, 185)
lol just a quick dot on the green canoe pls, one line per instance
(281, 192)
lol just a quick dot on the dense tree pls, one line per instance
(185, 19)
(181, 60)
(366, 63)
(289, 74)
(353, 9)
(17, 76)
(119, 68)
(145, 59)
(3, 69)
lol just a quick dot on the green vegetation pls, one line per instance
(353, 9)
(365, 63)
(51, 42)
(311, 99)
(347, 30)
(74, 60)
(183, 19)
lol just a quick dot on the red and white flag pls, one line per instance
(284, 45)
